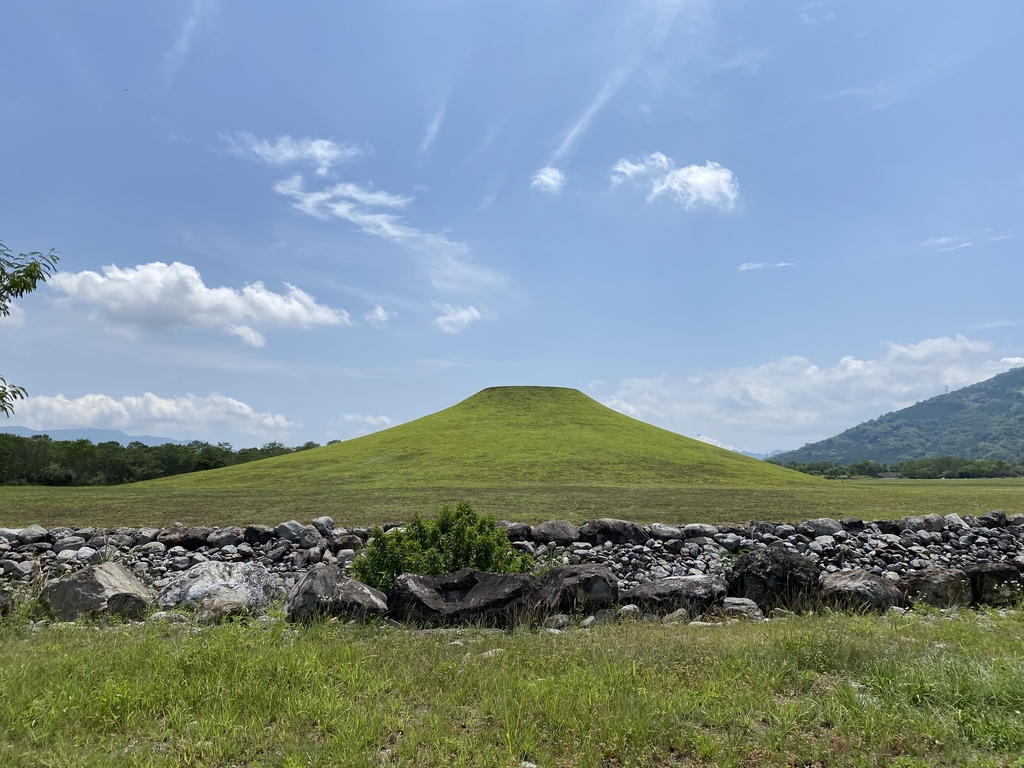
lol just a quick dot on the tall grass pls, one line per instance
(824, 690)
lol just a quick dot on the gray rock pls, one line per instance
(290, 531)
(994, 519)
(231, 536)
(1015, 521)
(559, 621)
(911, 523)
(678, 616)
(196, 537)
(89, 555)
(741, 608)
(822, 526)
(171, 537)
(570, 588)
(68, 542)
(695, 593)
(466, 596)
(954, 522)
(144, 536)
(665, 532)
(310, 538)
(775, 578)
(610, 529)
(993, 583)
(630, 612)
(97, 591)
(938, 587)
(153, 548)
(186, 590)
(257, 535)
(696, 530)
(325, 591)
(860, 590)
(324, 525)
(562, 532)
(516, 531)
(934, 523)
(32, 534)
(222, 603)
(13, 535)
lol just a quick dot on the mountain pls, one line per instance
(761, 456)
(95, 435)
(982, 421)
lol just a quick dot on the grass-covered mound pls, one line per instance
(911, 691)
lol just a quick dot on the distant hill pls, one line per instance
(95, 435)
(982, 421)
(761, 456)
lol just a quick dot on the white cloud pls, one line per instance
(430, 136)
(548, 179)
(751, 265)
(956, 247)
(446, 260)
(175, 56)
(188, 415)
(364, 420)
(350, 425)
(791, 401)
(455, 319)
(160, 296)
(709, 184)
(320, 153)
(931, 242)
(378, 316)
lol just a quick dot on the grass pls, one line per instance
(919, 690)
(529, 453)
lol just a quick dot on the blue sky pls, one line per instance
(760, 223)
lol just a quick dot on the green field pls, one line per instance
(913, 691)
(529, 453)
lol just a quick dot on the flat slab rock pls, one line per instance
(860, 590)
(325, 592)
(569, 588)
(108, 589)
(466, 596)
(697, 594)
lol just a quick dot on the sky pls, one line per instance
(754, 223)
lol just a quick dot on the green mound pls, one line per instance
(509, 436)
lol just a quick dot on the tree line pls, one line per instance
(941, 468)
(38, 460)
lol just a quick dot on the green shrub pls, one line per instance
(458, 538)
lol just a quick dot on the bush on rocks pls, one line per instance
(459, 538)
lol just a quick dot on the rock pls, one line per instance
(171, 537)
(196, 537)
(887, 526)
(325, 592)
(630, 612)
(822, 526)
(559, 621)
(696, 530)
(89, 555)
(324, 525)
(993, 583)
(852, 524)
(68, 542)
(775, 578)
(310, 538)
(6, 603)
(97, 591)
(911, 523)
(346, 541)
(954, 522)
(13, 535)
(860, 590)
(934, 523)
(562, 532)
(678, 616)
(153, 548)
(257, 535)
(144, 536)
(741, 608)
(290, 531)
(616, 531)
(571, 588)
(994, 519)
(697, 594)
(33, 534)
(222, 603)
(938, 587)
(665, 532)
(187, 589)
(169, 616)
(466, 596)
(231, 536)
(516, 531)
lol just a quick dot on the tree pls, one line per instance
(20, 275)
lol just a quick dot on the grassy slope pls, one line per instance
(912, 691)
(528, 453)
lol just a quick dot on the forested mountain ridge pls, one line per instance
(982, 421)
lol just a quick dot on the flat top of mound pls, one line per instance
(507, 436)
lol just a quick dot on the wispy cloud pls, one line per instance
(956, 247)
(430, 136)
(577, 129)
(175, 56)
(694, 185)
(751, 265)
(933, 242)
(455, 319)
(548, 179)
(321, 153)
(378, 316)
(447, 262)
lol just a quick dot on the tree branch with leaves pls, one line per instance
(20, 274)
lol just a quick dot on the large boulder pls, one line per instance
(822, 526)
(289, 531)
(515, 530)
(108, 589)
(466, 596)
(860, 591)
(196, 537)
(993, 583)
(325, 592)
(32, 534)
(775, 578)
(568, 588)
(188, 588)
(231, 536)
(562, 532)
(938, 587)
(616, 531)
(697, 594)
(665, 532)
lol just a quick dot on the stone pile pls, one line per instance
(660, 571)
